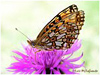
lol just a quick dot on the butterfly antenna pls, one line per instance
(22, 33)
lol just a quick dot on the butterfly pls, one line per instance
(62, 31)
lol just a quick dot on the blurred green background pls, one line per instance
(31, 16)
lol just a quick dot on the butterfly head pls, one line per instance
(31, 42)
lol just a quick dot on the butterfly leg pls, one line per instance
(35, 54)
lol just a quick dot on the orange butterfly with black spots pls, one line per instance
(62, 31)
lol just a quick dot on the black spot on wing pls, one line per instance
(47, 29)
(59, 17)
(54, 22)
(50, 26)
(57, 27)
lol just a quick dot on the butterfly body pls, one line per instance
(62, 31)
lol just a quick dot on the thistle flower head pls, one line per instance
(46, 62)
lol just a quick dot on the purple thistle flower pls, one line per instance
(46, 62)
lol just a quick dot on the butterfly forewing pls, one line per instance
(64, 13)
(62, 30)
